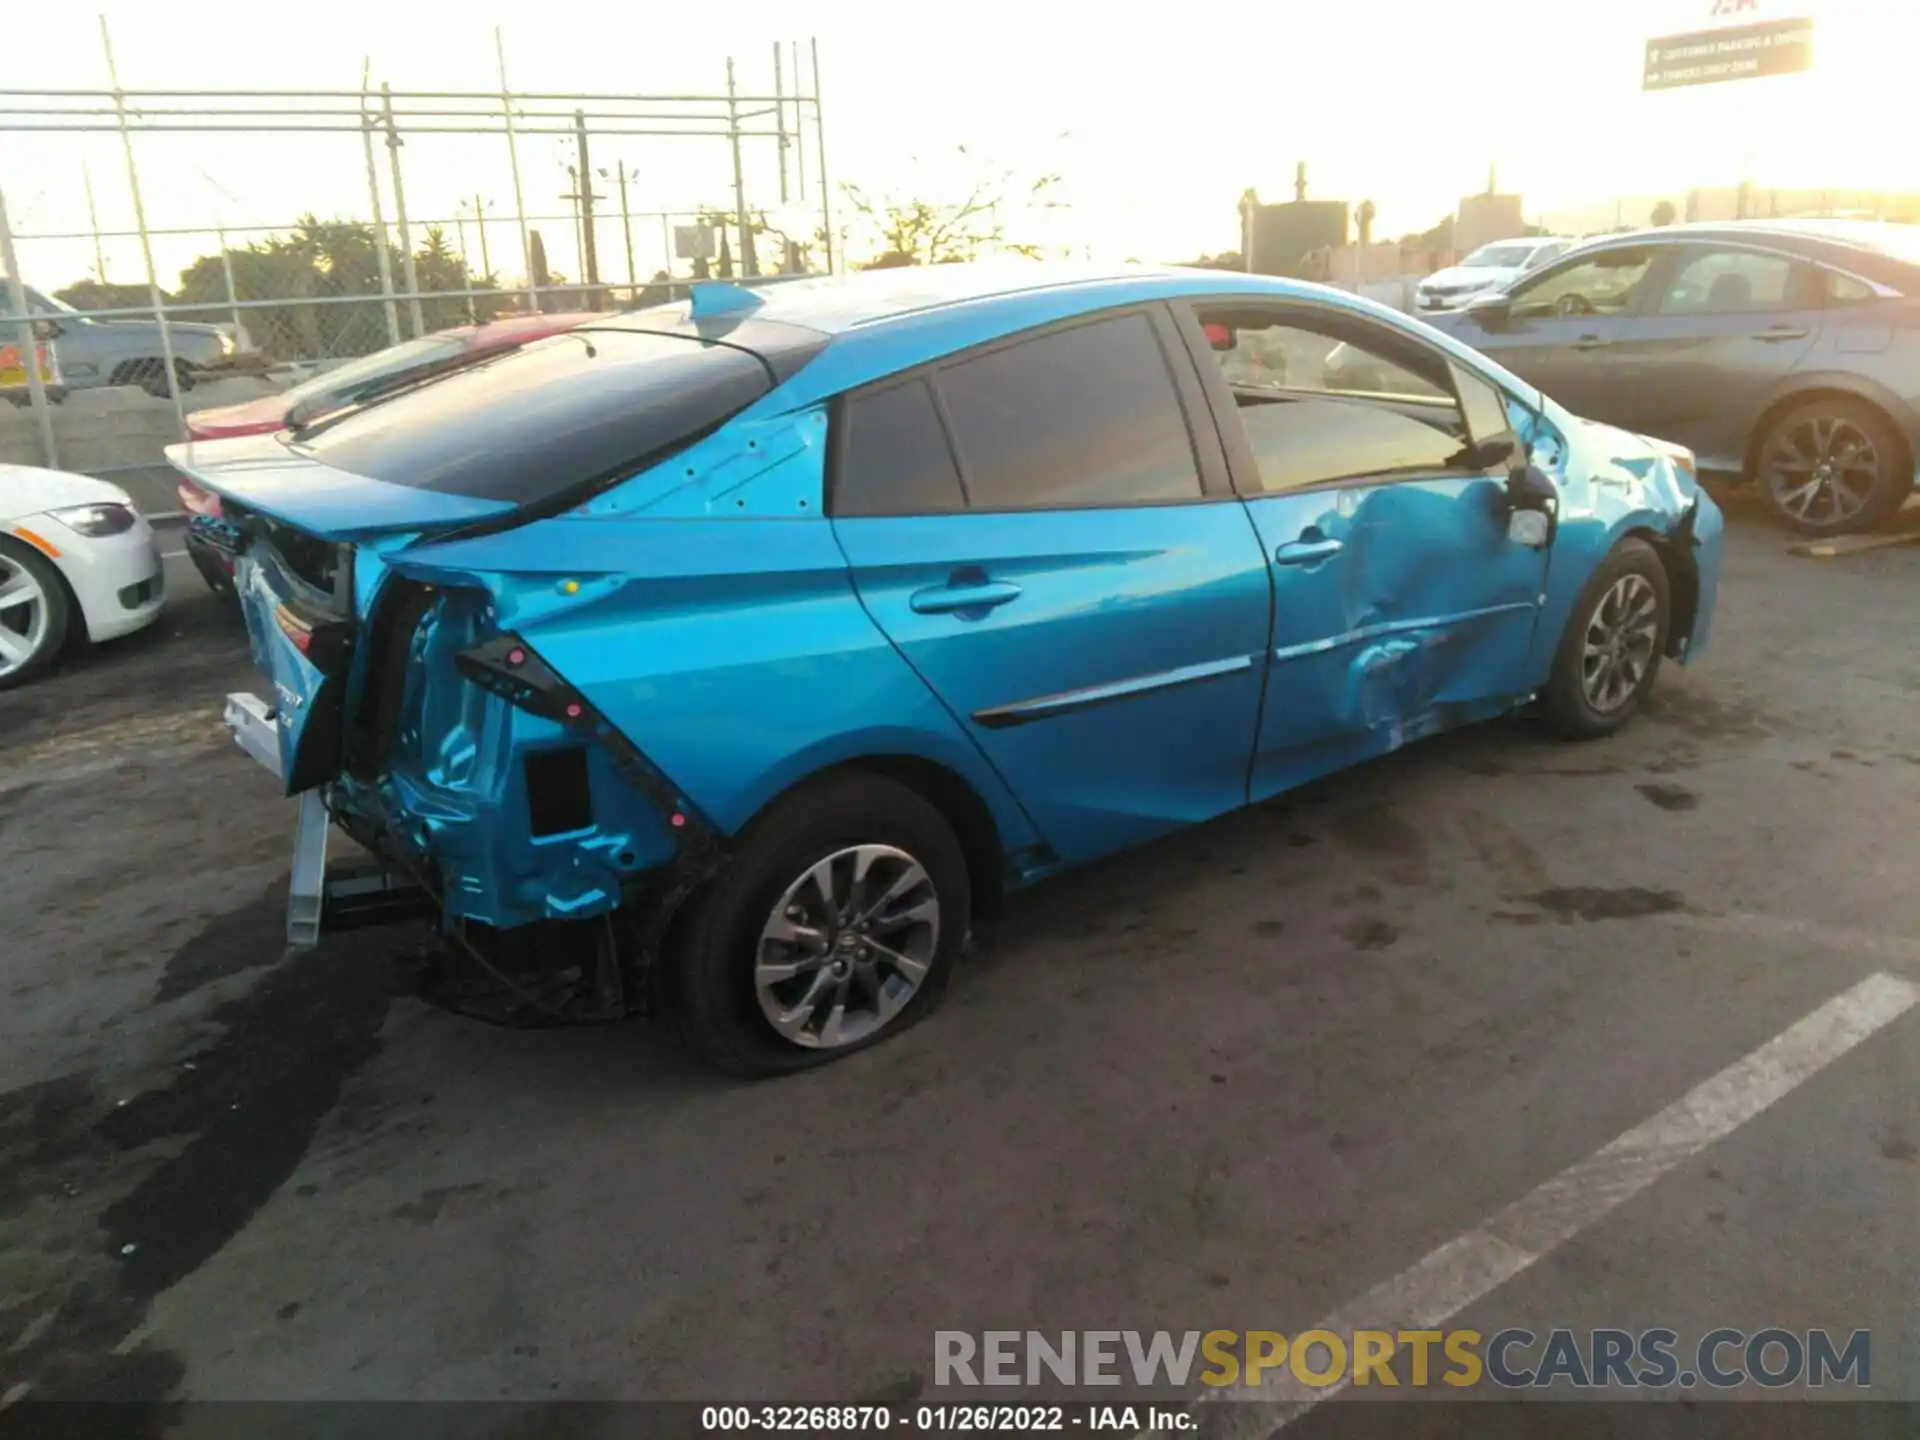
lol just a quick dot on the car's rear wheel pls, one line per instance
(1610, 652)
(1833, 466)
(836, 926)
(151, 376)
(34, 614)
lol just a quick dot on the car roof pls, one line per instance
(834, 304)
(1877, 237)
(881, 322)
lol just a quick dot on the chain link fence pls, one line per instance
(145, 272)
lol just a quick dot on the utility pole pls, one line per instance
(480, 224)
(589, 251)
(780, 113)
(99, 256)
(407, 266)
(626, 229)
(749, 263)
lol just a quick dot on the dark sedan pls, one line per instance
(1782, 352)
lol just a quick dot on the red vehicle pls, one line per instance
(210, 540)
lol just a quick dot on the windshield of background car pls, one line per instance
(539, 422)
(427, 350)
(1498, 257)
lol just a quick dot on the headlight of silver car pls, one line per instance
(95, 521)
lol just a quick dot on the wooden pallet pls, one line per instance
(1853, 544)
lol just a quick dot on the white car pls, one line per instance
(77, 561)
(1491, 267)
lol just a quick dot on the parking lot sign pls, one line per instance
(1733, 52)
(693, 242)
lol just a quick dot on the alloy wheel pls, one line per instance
(1822, 471)
(1619, 643)
(24, 615)
(847, 946)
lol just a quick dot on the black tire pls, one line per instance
(59, 611)
(151, 376)
(1853, 431)
(1571, 708)
(715, 944)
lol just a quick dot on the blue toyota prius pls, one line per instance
(733, 657)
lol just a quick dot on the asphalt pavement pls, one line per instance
(1629, 1025)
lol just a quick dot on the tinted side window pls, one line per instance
(1078, 417)
(893, 455)
(1845, 290)
(1603, 285)
(1737, 282)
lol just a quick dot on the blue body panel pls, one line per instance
(1419, 621)
(1094, 677)
(1112, 672)
(1612, 485)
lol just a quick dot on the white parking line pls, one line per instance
(173, 554)
(1472, 1265)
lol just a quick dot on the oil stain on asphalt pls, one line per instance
(237, 1116)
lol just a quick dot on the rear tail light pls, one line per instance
(196, 501)
(325, 643)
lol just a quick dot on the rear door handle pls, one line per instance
(980, 595)
(1783, 332)
(1588, 342)
(1305, 552)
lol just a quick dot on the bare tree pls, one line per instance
(913, 230)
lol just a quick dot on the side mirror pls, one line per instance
(1533, 506)
(1492, 311)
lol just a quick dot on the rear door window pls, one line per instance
(893, 457)
(536, 423)
(1076, 417)
(1739, 282)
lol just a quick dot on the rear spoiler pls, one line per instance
(262, 474)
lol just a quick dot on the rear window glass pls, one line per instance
(534, 423)
(408, 355)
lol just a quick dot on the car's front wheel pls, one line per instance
(836, 926)
(1609, 654)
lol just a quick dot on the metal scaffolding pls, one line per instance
(784, 124)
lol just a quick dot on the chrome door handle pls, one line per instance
(1305, 552)
(945, 599)
(1783, 332)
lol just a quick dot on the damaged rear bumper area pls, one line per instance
(487, 792)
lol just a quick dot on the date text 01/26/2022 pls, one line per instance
(953, 1419)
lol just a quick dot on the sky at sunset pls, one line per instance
(1157, 117)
